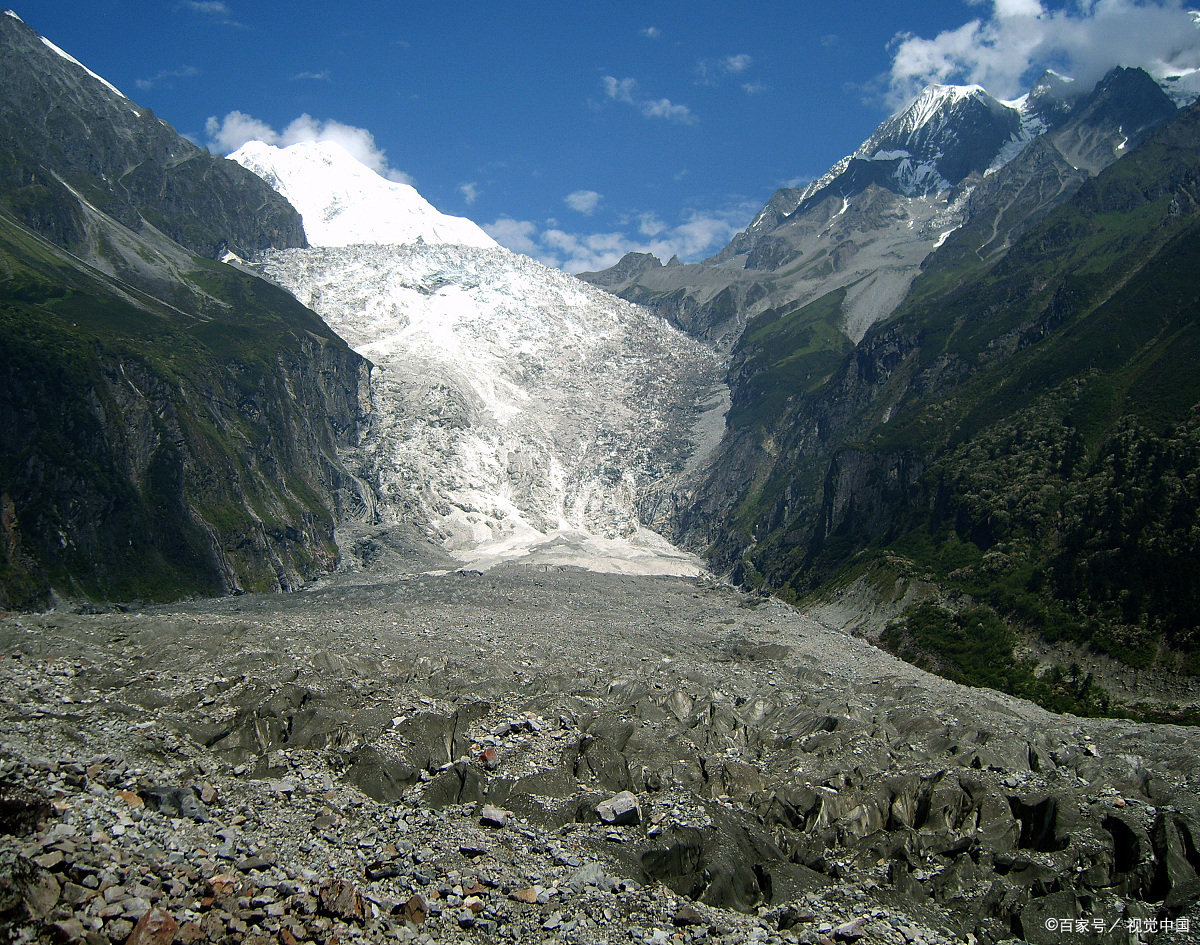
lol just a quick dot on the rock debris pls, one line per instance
(549, 755)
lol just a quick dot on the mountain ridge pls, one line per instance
(154, 441)
(164, 181)
(870, 225)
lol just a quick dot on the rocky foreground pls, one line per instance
(549, 755)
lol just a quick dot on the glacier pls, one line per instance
(517, 412)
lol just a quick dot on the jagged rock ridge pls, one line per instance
(69, 139)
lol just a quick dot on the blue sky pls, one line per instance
(576, 132)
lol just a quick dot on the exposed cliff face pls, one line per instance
(67, 137)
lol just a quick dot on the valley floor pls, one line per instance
(321, 766)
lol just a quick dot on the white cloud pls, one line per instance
(207, 7)
(322, 76)
(665, 108)
(620, 90)
(215, 8)
(651, 32)
(736, 65)
(1008, 49)
(235, 129)
(754, 88)
(517, 235)
(697, 235)
(626, 90)
(583, 201)
(165, 77)
(712, 71)
(469, 191)
(650, 225)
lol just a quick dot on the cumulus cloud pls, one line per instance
(650, 225)
(583, 201)
(469, 191)
(517, 235)
(167, 77)
(698, 234)
(322, 76)
(712, 71)
(1019, 39)
(651, 32)
(626, 90)
(235, 129)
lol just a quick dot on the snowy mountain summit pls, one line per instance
(344, 202)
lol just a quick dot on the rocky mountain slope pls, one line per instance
(168, 424)
(517, 410)
(867, 226)
(70, 141)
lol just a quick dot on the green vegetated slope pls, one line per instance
(149, 450)
(1027, 432)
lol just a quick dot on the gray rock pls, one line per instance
(620, 810)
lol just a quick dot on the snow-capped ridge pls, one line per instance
(67, 56)
(933, 102)
(912, 136)
(344, 202)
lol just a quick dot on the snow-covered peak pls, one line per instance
(344, 202)
(933, 102)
